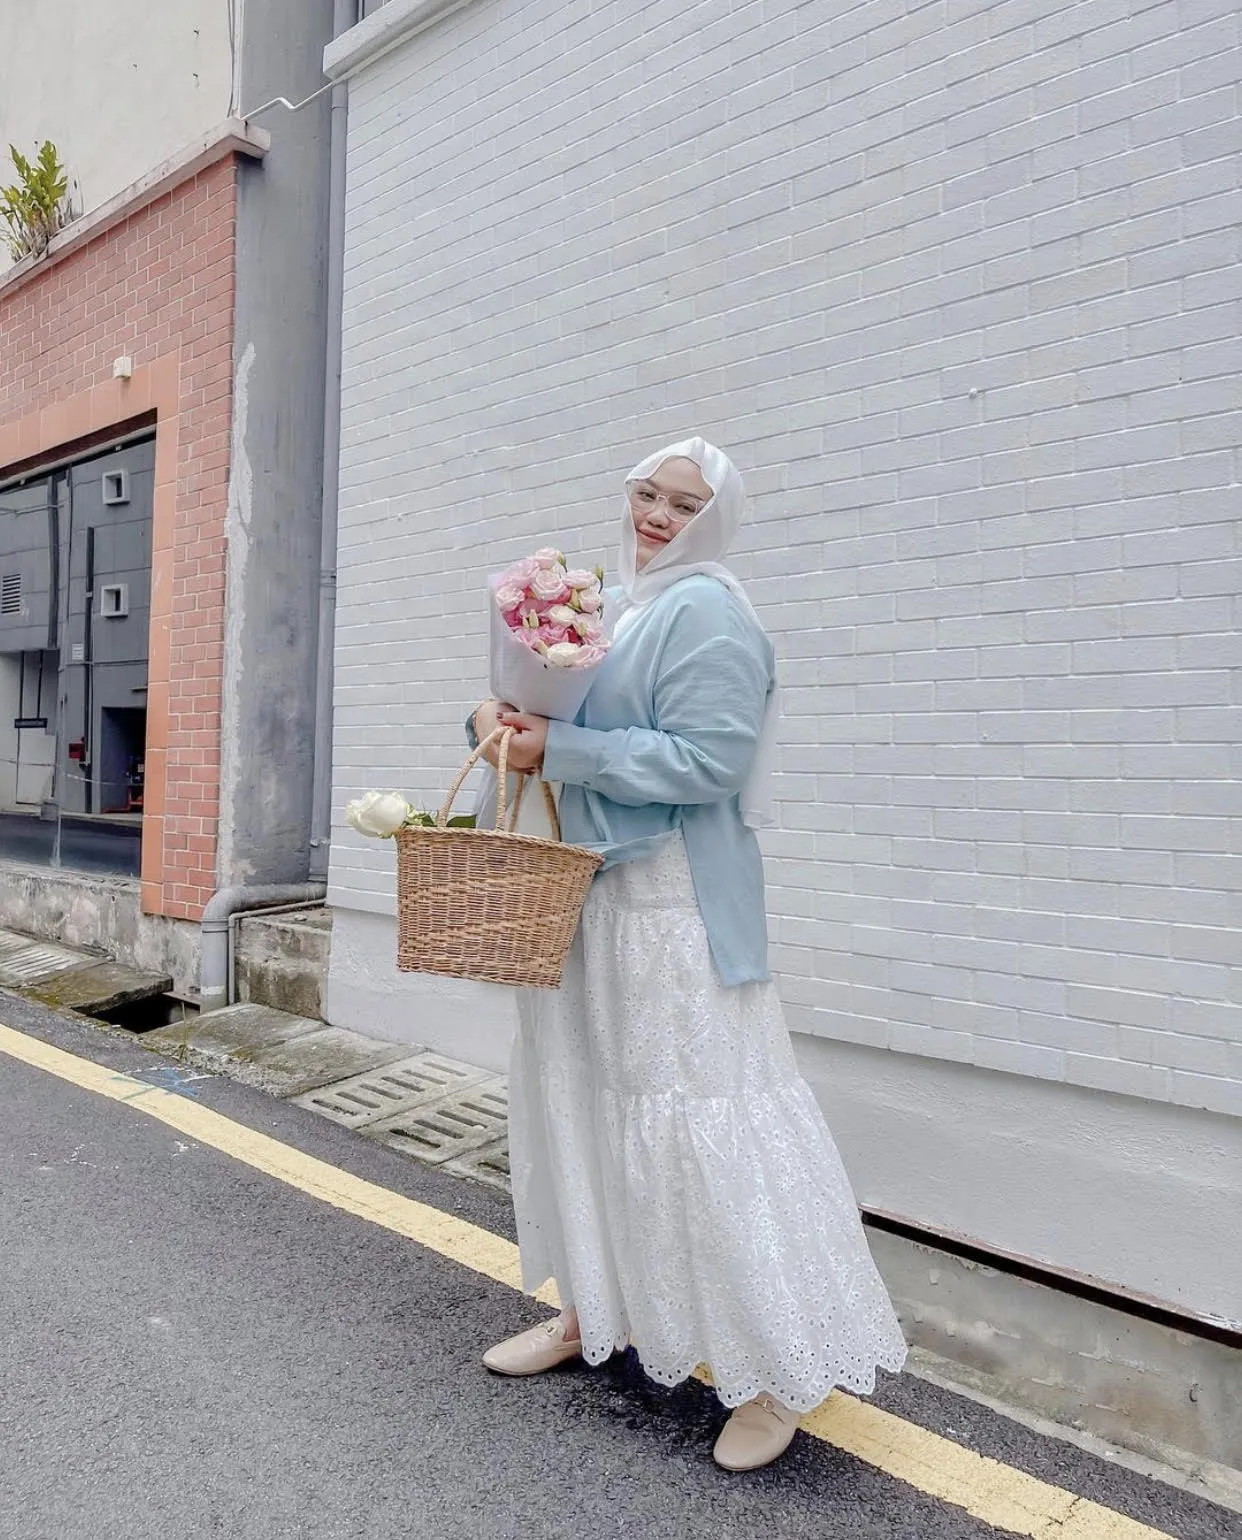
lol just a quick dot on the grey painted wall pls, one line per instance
(276, 474)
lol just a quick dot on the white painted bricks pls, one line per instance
(959, 287)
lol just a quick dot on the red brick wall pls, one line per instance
(158, 287)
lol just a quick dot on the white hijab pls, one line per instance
(697, 549)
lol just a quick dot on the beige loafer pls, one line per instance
(534, 1351)
(757, 1433)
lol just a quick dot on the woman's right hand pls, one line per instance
(486, 721)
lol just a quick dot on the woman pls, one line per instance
(671, 1169)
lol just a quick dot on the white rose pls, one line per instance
(377, 813)
(578, 579)
(591, 600)
(563, 615)
(563, 654)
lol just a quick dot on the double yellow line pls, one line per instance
(1007, 1499)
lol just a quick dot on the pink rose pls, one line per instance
(579, 579)
(548, 584)
(548, 557)
(521, 572)
(591, 655)
(509, 596)
(552, 634)
(561, 615)
(588, 628)
(592, 601)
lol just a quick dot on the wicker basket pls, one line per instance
(489, 904)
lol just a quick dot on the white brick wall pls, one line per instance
(959, 286)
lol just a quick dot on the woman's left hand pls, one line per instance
(530, 736)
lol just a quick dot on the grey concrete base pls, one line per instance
(1165, 1394)
(271, 1050)
(282, 959)
(98, 914)
(1141, 1196)
(474, 1022)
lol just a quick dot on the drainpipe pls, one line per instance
(215, 982)
(345, 15)
(215, 986)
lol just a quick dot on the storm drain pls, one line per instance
(466, 1132)
(447, 1129)
(490, 1165)
(450, 1115)
(399, 1088)
(23, 961)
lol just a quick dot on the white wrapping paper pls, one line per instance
(524, 680)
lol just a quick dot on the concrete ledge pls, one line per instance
(93, 990)
(274, 1052)
(281, 959)
(383, 31)
(1169, 1395)
(232, 137)
(97, 914)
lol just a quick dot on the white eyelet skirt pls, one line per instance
(672, 1170)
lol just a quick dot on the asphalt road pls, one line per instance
(191, 1348)
(85, 845)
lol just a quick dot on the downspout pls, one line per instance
(215, 985)
(345, 15)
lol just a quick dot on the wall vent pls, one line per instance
(115, 487)
(11, 593)
(114, 600)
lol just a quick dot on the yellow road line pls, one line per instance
(454, 1238)
(1004, 1498)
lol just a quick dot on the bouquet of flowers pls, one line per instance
(547, 640)
(547, 634)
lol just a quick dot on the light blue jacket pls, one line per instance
(665, 741)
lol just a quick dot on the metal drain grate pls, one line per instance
(397, 1088)
(23, 961)
(489, 1164)
(450, 1128)
(451, 1115)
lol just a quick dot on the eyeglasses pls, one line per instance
(646, 498)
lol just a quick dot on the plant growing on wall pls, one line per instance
(38, 204)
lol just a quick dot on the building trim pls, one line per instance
(232, 137)
(114, 436)
(383, 31)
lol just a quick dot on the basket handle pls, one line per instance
(504, 734)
